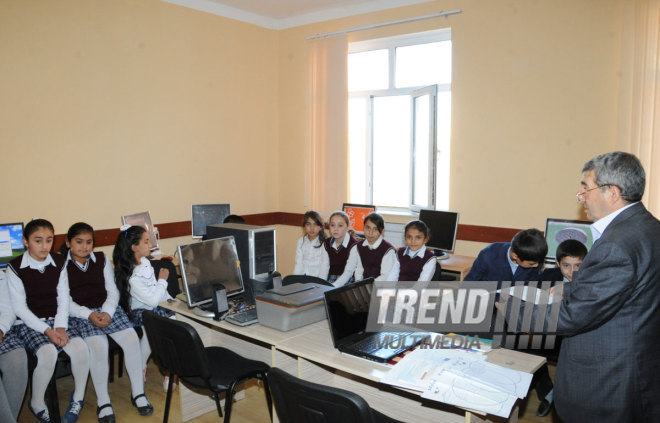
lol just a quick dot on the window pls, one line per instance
(399, 115)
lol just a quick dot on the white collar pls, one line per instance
(91, 256)
(376, 244)
(28, 261)
(418, 253)
(344, 243)
(599, 226)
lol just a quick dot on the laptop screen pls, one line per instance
(347, 309)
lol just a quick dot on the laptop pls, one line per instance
(347, 308)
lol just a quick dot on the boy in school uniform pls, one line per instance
(569, 257)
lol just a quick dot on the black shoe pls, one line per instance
(544, 409)
(110, 418)
(145, 410)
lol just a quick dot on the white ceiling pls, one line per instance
(281, 14)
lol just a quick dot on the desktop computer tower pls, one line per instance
(256, 250)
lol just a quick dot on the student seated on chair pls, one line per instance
(338, 248)
(311, 258)
(40, 297)
(95, 314)
(414, 262)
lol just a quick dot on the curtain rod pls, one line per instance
(360, 28)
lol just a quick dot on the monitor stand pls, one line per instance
(204, 310)
(441, 255)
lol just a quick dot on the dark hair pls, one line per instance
(377, 220)
(419, 225)
(33, 225)
(530, 245)
(124, 260)
(233, 218)
(571, 248)
(317, 219)
(76, 229)
(619, 169)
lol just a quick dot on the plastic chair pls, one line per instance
(300, 401)
(178, 348)
(288, 280)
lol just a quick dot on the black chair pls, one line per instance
(179, 349)
(300, 401)
(288, 280)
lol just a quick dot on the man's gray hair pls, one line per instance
(620, 169)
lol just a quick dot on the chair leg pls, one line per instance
(229, 398)
(120, 363)
(168, 399)
(52, 401)
(217, 403)
(264, 378)
(111, 366)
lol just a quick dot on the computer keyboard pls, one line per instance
(244, 317)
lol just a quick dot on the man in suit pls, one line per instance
(609, 364)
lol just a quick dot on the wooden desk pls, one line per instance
(457, 265)
(308, 353)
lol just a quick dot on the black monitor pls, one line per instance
(356, 214)
(11, 242)
(559, 230)
(142, 219)
(207, 214)
(443, 226)
(206, 263)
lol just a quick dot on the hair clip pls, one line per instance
(124, 229)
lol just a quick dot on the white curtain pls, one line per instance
(639, 117)
(326, 173)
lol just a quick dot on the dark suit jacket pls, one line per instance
(492, 264)
(609, 365)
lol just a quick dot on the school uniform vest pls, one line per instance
(371, 259)
(411, 267)
(88, 287)
(338, 258)
(40, 288)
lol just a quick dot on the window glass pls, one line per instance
(368, 70)
(423, 64)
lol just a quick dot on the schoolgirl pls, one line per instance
(311, 258)
(139, 289)
(415, 261)
(40, 297)
(95, 314)
(338, 248)
(376, 257)
(13, 360)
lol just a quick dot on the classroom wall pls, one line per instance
(110, 107)
(113, 107)
(535, 87)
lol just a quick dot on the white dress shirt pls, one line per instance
(146, 291)
(386, 263)
(19, 299)
(112, 299)
(7, 316)
(311, 258)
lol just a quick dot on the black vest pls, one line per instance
(40, 288)
(88, 288)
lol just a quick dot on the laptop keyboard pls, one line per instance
(370, 344)
(245, 317)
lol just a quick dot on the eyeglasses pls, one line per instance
(580, 195)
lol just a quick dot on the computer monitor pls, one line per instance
(11, 242)
(356, 214)
(207, 214)
(559, 230)
(443, 226)
(142, 219)
(206, 263)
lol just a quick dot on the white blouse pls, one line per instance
(311, 258)
(146, 291)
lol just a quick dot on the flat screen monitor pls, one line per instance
(356, 214)
(559, 230)
(206, 263)
(443, 226)
(142, 219)
(207, 214)
(11, 242)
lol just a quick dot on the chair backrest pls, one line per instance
(437, 274)
(176, 345)
(300, 401)
(290, 279)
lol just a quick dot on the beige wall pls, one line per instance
(111, 107)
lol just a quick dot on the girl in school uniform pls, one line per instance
(95, 314)
(139, 289)
(375, 256)
(338, 248)
(13, 360)
(415, 261)
(311, 258)
(40, 297)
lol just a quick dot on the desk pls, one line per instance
(457, 265)
(308, 353)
